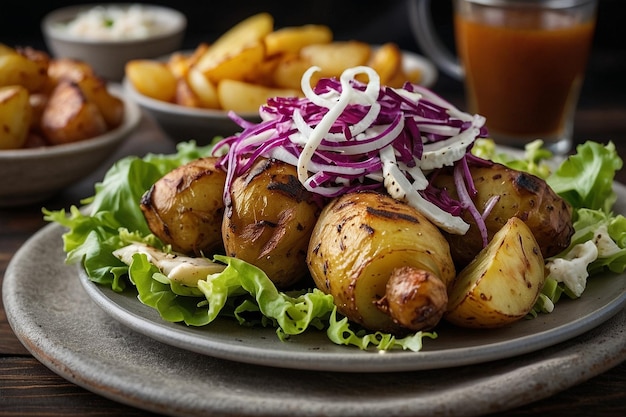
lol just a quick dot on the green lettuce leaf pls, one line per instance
(585, 179)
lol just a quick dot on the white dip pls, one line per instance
(117, 23)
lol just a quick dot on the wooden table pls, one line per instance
(28, 388)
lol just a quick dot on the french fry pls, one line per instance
(386, 61)
(335, 57)
(248, 33)
(245, 97)
(289, 70)
(203, 88)
(235, 67)
(290, 40)
(152, 78)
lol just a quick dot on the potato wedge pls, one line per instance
(246, 97)
(247, 33)
(501, 285)
(289, 70)
(152, 78)
(203, 88)
(386, 61)
(290, 40)
(234, 67)
(335, 57)
(70, 117)
(15, 116)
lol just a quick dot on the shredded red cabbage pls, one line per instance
(345, 135)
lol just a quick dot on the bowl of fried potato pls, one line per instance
(60, 121)
(190, 93)
(108, 35)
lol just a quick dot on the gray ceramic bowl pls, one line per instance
(28, 176)
(108, 57)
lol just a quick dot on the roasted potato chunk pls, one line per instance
(25, 67)
(70, 117)
(518, 194)
(111, 107)
(360, 241)
(15, 116)
(501, 285)
(269, 221)
(185, 207)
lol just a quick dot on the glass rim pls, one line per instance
(552, 4)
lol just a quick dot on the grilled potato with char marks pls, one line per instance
(519, 194)
(270, 220)
(501, 285)
(386, 265)
(185, 207)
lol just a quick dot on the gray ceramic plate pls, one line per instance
(63, 328)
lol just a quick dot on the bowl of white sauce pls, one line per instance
(106, 36)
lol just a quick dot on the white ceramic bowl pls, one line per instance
(182, 123)
(28, 176)
(108, 57)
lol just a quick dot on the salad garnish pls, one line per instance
(346, 135)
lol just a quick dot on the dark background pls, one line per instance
(372, 21)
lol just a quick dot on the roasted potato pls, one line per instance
(269, 221)
(185, 207)
(502, 283)
(15, 116)
(25, 67)
(111, 107)
(386, 265)
(69, 70)
(518, 194)
(70, 117)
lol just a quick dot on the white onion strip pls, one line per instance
(348, 94)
